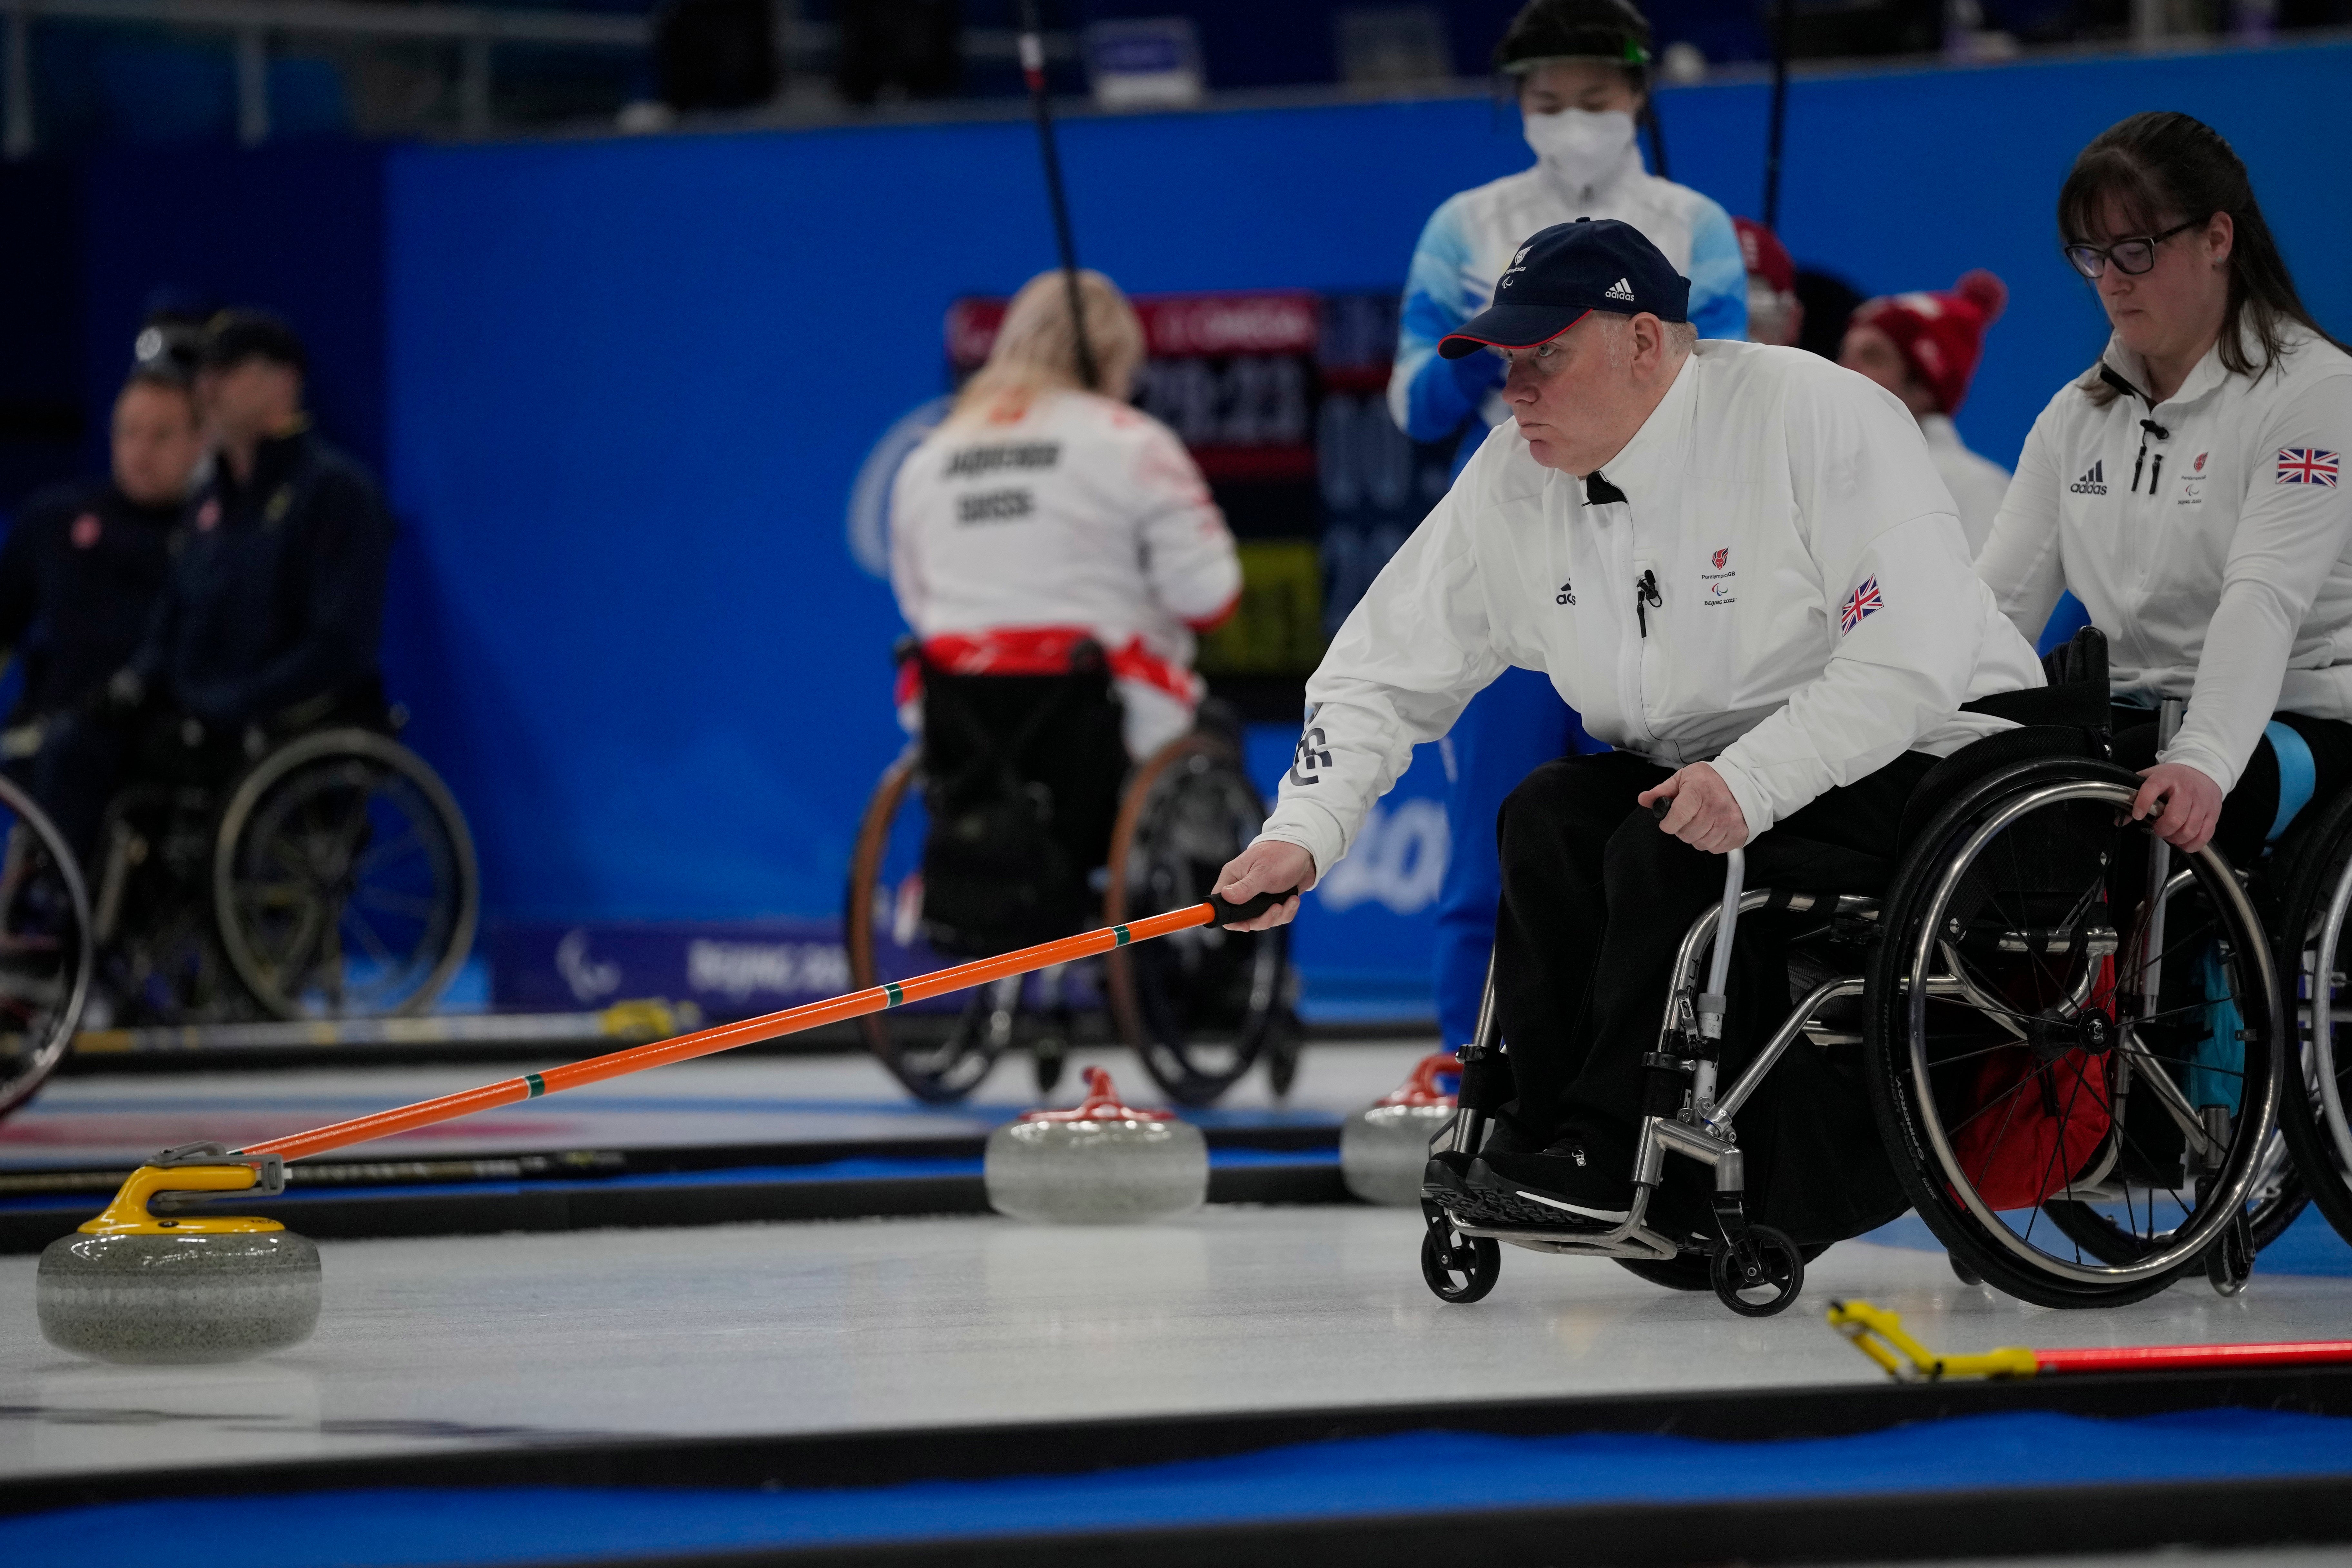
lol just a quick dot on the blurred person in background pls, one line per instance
(1042, 516)
(2187, 488)
(79, 574)
(270, 620)
(1775, 314)
(1924, 348)
(1581, 71)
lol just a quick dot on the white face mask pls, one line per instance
(1580, 144)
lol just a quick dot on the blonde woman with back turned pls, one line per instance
(1042, 515)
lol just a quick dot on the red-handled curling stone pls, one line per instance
(1103, 1163)
(1384, 1147)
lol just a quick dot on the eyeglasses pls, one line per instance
(2135, 256)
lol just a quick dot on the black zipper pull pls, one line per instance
(1646, 598)
(2148, 428)
(2155, 473)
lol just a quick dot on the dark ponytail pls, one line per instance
(2162, 168)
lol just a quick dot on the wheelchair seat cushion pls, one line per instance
(1784, 862)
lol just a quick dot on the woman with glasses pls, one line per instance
(2188, 488)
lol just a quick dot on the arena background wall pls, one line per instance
(619, 387)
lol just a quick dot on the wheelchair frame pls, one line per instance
(1703, 1128)
(1269, 1036)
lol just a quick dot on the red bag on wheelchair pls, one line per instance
(2038, 1119)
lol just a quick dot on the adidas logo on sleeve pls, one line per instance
(1621, 289)
(2094, 482)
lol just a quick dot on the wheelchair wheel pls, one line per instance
(2315, 950)
(940, 1050)
(1758, 1275)
(1198, 1006)
(2079, 1096)
(46, 949)
(1458, 1269)
(343, 878)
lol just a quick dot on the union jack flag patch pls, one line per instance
(2306, 466)
(1865, 603)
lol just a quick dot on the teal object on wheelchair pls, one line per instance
(2298, 776)
(2217, 1063)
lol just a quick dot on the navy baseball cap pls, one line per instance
(1565, 272)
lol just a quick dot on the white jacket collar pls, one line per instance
(2204, 378)
(1645, 468)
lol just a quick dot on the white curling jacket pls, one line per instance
(1056, 517)
(1976, 483)
(1805, 615)
(2208, 536)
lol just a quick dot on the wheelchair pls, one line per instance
(319, 869)
(2063, 1046)
(49, 952)
(1017, 818)
(2313, 906)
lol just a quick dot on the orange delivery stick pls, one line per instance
(751, 1031)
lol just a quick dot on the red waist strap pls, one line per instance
(1044, 650)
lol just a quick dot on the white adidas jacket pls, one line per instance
(1059, 517)
(1805, 610)
(2210, 537)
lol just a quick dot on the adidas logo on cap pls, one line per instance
(1621, 289)
(2094, 482)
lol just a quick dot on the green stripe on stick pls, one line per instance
(536, 1084)
(1119, 936)
(890, 989)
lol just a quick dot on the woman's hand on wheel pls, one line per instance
(2185, 801)
(1706, 815)
(1267, 865)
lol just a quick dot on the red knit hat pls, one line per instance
(1763, 255)
(1941, 335)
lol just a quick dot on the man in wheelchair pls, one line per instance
(1736, 561)
(270, 620)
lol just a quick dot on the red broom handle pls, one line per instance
(748, 1031)
(2165, 1358)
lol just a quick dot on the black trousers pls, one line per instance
(2247, 811)
(1596, 899)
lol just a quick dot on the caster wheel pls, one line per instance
(1459, 1268)
(1759, 1273)
(2230, 1262)
(1962, 1272)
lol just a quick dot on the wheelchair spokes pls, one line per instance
(343, 879)
(2087, 1076)
(2316, 931)
(1198, 1007)
(48, 948)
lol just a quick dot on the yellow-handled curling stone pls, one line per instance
(136, 1286)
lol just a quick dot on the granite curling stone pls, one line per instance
(132, 1285)
(1384, 1147)
(1103, 1163)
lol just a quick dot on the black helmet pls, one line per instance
(1611, 30)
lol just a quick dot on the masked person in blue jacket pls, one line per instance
(1581, 71)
